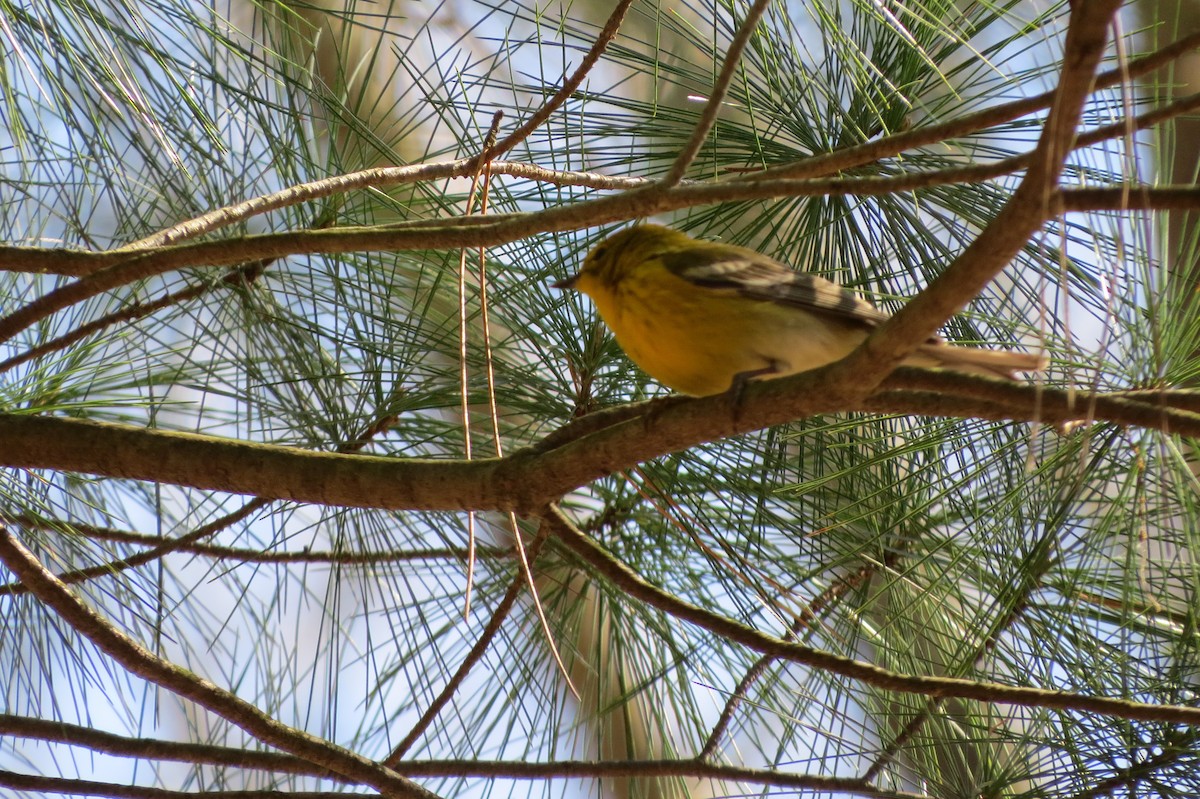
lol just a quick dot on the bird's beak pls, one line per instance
(565, 283)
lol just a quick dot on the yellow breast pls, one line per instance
(696, 340)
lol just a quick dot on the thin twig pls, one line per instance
(248, 555)
(607, 34)
(463, 339)
(806, 620)
(708, 117)
(1170, 753)
(79, 787)
(1129, 125)
(164, 547)
(156, 749)
(480, 646)
(377, 177)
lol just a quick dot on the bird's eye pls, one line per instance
(598, 254)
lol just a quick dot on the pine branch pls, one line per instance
(177, 680)
(933, 687)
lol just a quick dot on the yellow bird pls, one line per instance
(702, 317)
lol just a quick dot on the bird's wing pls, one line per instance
(757, 277)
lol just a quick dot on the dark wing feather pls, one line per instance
(757, 277)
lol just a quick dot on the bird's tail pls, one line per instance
(988, 363)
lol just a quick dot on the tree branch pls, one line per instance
(573, 770)
(526, 479)
(76, 263)
(137, 660)
(935, 687)
(153, 749)
(156, 749)
(1011, 229)
(897, 143)
(1130, 198)
(190, 543)
(32, 782)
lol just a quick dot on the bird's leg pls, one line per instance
(737, 386)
